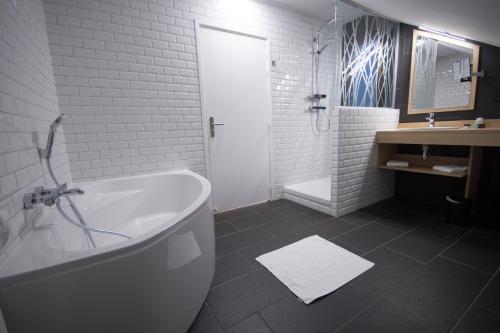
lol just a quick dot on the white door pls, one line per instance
(235, 87)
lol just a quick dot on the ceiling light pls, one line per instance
(446, 34)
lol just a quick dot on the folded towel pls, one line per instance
(395, 163)
(450, 168)
(465, 68)
(456, 71)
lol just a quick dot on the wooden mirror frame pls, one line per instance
(475, 64)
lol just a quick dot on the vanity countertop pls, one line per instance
(454, 136)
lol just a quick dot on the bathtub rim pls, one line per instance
(100, 255)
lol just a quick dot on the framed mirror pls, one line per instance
(443, 74)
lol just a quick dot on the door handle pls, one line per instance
(212, 125)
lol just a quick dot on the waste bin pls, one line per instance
(457, 209)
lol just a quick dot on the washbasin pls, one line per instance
(437, 128)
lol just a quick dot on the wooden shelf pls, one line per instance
(424, 169)
(389, 151)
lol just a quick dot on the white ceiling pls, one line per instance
(474, 19)
(322, 9)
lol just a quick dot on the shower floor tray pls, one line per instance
(318, 190)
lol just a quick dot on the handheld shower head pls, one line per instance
(55, 124)
(47, 152)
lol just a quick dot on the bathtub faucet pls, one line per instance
(48, 196)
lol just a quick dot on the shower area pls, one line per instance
(351, 94)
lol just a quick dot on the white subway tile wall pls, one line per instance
(127, 75)
(356, 181)
(449, 92)
(28, 104)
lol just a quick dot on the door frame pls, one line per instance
(199, 24)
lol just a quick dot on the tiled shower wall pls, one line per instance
(449, 92)
(127, 75)
(356, 181)
(28, 103)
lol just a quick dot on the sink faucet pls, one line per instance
(431, 120)
(48, 196)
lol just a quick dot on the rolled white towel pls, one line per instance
(450, 168)
(396, 163)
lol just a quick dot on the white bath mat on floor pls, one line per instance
(313, 267)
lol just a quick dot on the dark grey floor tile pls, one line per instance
(369, 236)
(478, 320)
(480, 248)
(263, 217)
(229, 267)
(290, 209)
(253, 324)
(421, 244)
(262, 207)
(239, 298)
(431, 300)
(290, 224)
(252, 252)
(316, 214)
(389, 270)
(327, 229)
(294, 209)
(280, 203)
(405, 219)
(376, 210)
(233, 214)
(360, 217)
(447, 229)
(289, 315)
(391, 205)
(239, 240)
(346, 246)
(490, 297)
(205, 322)
(222, 229)
(409, 297)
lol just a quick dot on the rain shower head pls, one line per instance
(328, 42)
(331, 21)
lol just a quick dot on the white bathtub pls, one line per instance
(154, 282)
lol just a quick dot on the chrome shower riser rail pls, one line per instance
(55, 196)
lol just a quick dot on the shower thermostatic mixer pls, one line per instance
(312, 108)
(48, 196)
